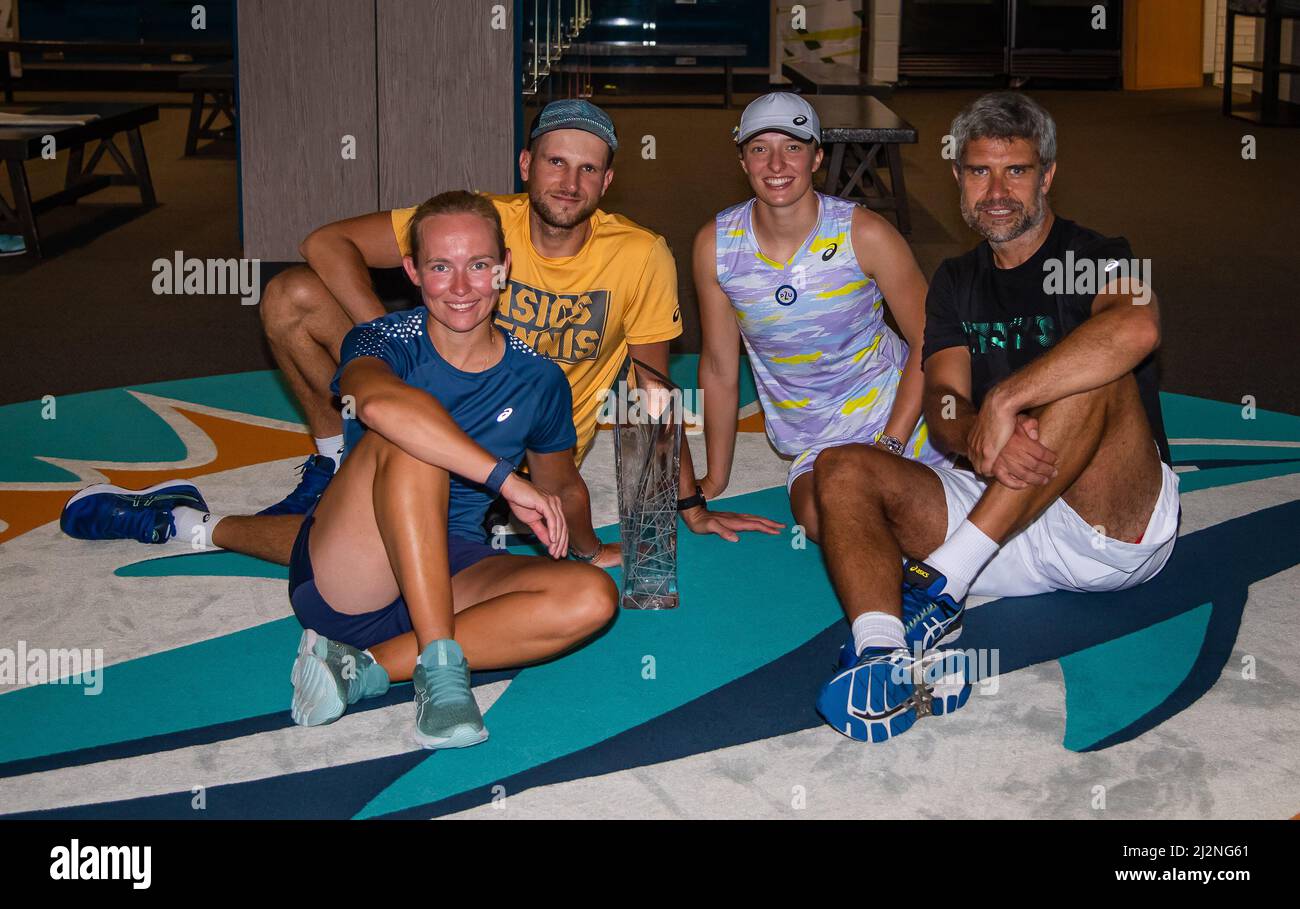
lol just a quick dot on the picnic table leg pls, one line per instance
(899, 187)
(141, 167)
(192, 134)
(832, 185)
(74, 167)
(23, 206)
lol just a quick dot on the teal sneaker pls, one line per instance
(328, 676)
(446, 715)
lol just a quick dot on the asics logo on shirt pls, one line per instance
(830, 251)
(505, 414)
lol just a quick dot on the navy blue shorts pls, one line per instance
(369, 628)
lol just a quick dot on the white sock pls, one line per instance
(331, 448)
(878, 629)
(962, 557)
(195, 527)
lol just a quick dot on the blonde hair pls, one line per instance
(453, 202)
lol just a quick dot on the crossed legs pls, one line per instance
(380, 530)
(873, 508)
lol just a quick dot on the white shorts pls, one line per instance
(1060, 550)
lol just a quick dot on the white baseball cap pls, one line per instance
(781, 111)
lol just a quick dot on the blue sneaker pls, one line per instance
(105, 512)
(930, 618)
(12, 244)
(848, 654)
(887, 691)
(316, 473)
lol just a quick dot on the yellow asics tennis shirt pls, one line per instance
(583, 310)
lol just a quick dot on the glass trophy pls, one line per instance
(647, 440)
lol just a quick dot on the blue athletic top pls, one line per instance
(523, 403)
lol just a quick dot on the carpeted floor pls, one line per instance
(1172, 700)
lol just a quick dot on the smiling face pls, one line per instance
(566, 171)
(779, 167)
(458, 255)
(1003, 187)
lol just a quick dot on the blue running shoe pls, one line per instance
(315, 473)
(887, 691)
(328, 676)
(446, 714)
(930, 618)
(848, 654)
(105, 512)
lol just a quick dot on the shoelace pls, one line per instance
(142, 524)
(445, 684)
(309, 476)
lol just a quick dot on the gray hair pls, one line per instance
(1006, 115)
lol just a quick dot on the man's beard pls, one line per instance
(1025, 220)
(553, 218)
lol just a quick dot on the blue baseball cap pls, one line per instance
(575, 113)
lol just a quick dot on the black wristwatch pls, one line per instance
(692, 501)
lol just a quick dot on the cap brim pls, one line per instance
(805, 136)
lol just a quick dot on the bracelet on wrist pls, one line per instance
(693, 501)
(497, 478)
(579, 557)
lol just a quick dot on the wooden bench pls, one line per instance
(158, 62)
(588, 49)
(218, 82)
(23, 143)
(856, 131)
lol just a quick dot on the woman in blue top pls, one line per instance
(391, 576)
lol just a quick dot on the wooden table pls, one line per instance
(728, 53)
(22, 144)
(131, 57)
(814, 77)
(219, 82)
(856, 131)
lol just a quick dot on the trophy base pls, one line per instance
(648, 601)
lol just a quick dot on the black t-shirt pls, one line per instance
(1005, 317)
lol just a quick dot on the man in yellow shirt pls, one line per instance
(585, 288)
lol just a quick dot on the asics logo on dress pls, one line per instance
(830, 251)
(505, 414)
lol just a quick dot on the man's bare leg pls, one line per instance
(269, 537)
(873, 508)
(305, 326)
(1108, 468)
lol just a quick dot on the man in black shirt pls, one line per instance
(1039, 376)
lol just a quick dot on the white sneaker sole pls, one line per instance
(316, 698)
(462, 736)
